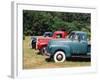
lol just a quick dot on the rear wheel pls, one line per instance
(59, 56)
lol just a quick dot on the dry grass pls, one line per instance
(33, 61)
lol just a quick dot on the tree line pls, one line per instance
(37, 22)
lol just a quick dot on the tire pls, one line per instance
(43, 50)
(59, 56)
(33, 45)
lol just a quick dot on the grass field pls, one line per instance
(32, 60)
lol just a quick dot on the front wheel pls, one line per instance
(43, 50)
(59, 56)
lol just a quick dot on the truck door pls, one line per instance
(79, 43)
(76, 47)
(75, 44)
(83, 44)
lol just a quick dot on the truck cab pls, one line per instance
(59, 34)
(76, 44)
(42, 42)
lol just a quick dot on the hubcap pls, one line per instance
(59, 57)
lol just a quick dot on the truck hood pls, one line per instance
(44, 39)
(59, 41)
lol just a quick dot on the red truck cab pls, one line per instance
(59, 34)
(42, 42)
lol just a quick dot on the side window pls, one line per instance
(74, 36)
(58, 35)
(71, 36)
(48, 35)
(83, 37)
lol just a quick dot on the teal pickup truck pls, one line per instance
(76, 44)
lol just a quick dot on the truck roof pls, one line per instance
(80, 32)
(59, 31)
(48, 32)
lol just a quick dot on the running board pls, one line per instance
(80, 56)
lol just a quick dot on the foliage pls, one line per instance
(37, 22)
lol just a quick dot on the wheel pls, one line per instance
(43, 50)
(59, 56)
(33, 44)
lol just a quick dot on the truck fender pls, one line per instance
(65, 49)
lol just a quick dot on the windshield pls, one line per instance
(73, 36)
(59, 36)
(47, 35)
(77, 36)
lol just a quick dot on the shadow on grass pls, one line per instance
(74, 59)
(79, 59)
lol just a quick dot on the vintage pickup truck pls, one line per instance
(42, 42)
(76, 44)
(34, 39)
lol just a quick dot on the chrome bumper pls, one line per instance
(47, 55)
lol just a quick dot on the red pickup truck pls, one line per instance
(42, 42)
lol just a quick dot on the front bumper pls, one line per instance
(47, 56)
